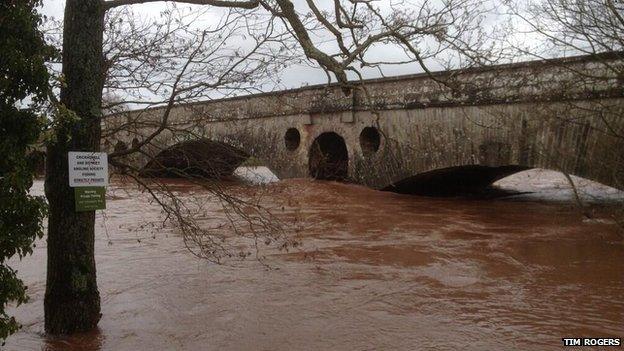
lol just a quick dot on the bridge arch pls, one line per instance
(452, 181)
(196, 158)
(479, 181)
(328, 157)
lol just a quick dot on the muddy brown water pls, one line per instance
(376, 271)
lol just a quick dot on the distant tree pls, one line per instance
(563, 28)
(23, 78)
(568, 27)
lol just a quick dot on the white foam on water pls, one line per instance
(542, 184)
(256, 174)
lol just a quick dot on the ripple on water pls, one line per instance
(376, 271)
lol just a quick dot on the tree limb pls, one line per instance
(251, 4)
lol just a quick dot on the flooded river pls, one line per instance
(375, 271)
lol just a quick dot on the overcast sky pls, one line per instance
(292, 77)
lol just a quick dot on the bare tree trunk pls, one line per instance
(72, 300)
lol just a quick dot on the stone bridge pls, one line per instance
(412, 134)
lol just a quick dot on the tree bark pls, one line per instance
(72, 300)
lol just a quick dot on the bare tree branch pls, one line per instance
(218, 3)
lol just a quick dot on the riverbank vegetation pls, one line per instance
(23, 83)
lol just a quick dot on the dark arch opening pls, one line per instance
(292, 139)
(370, 139)
(454, 181)
(328, 158)
(199, 158)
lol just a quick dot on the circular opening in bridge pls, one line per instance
(370, 140)
(329, 159)
(292, 138)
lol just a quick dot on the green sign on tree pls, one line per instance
(90, 198)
